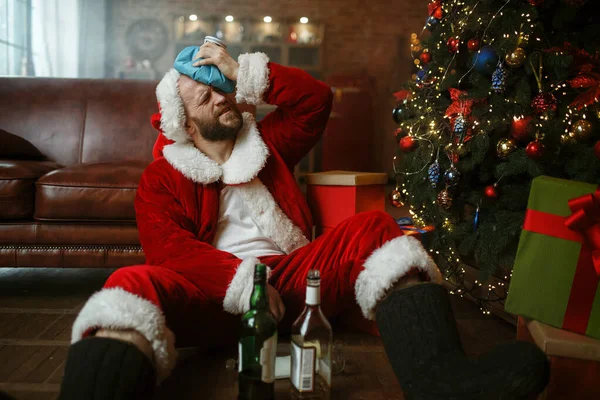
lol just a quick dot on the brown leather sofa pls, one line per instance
(71, 155)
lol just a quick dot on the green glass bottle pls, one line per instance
(258, 344)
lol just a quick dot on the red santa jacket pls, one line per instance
(177, 202)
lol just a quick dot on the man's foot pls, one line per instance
(419, 333)
(105, 368)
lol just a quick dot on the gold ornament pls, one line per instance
(505, 147)
(415, 43)
(516, 58)
(582, 129)
(523, 40)
(566, 140)
(444, 199)
(415, 48)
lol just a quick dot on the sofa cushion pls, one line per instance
(17, 186)
(89, 192)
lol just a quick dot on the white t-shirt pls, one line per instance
(237, 232)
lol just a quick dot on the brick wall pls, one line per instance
(360, 36)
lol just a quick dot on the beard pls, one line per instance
(216, 131)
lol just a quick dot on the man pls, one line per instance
(220, 197)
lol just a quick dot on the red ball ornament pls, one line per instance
(597, 149)
(453, 44)
(425, 57)
(473, 44)
(535, 150)
(491, 192)
(520, 128)
(407, 144)
(544, 103)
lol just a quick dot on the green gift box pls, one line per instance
(556, 274)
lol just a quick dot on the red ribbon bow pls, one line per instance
(585, 218)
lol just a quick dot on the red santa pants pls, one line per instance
(358, 260)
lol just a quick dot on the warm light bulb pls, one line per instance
(193, 17)
(267, 19)
(229, 18)
(304, 20)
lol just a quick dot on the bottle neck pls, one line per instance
(313, 295)
(259, 300)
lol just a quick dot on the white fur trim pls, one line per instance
(253, 78)
(192, 163)
(237, 297)
(115, 308)
(270, 218)
(248, 157)
(172, 113)
(386, 266)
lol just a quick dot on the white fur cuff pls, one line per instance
(253, 78)
(116, 308)
(237, 297)
(386, 266)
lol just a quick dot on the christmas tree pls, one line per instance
(503, 91)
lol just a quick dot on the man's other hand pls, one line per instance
(212, 54)
(275, 303)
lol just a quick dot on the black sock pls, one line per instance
(419, 333)
(107, 369)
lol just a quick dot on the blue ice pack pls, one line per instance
(207, 74)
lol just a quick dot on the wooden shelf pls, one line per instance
(280, 35)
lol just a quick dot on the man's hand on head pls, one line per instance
(212, 54)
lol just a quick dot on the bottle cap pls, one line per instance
(314, 276)
(216, 41)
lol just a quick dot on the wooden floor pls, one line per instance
(38, 307)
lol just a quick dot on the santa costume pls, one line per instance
(204, 226)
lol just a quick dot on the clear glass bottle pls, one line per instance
(258, 344)
(312, 339)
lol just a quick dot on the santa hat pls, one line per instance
(172, 113)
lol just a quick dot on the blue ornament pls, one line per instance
(452, 176)
(476, 218)
(499, 78)
(485, 60)
(422, 76)
(399, 113)
(460, 126)
(431, 23)
(434, 173)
